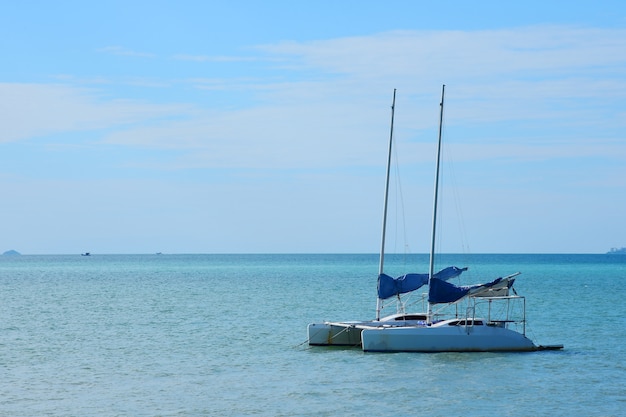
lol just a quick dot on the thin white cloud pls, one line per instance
(534, 108)
(564, 87)
(262, 138)
(331, 103)
(462, 53)
(493, 74)
(31, 110)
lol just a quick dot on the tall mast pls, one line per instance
(434, 229)
(384, 228)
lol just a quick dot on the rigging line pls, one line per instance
(449, 177)
(457, 206)
(400, 217)
(405, 243)
(456, 198)
(397, 186)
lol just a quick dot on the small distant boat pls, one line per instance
(85, 254)
(501, 328)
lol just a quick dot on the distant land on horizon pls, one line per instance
(617, 251)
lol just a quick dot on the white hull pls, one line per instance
(410, 336)
(444, 337)
(348, 333)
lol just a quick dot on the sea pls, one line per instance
(225, 335)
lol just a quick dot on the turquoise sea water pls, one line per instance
(225, 335)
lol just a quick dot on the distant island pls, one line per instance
(616, 251)
(11, 253)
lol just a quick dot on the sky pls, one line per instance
(262, 127)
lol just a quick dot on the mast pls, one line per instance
(384, 228)
(432, 242)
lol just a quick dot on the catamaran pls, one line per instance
(477, 318)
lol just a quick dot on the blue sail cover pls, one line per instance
(389, 286)
(445, 292)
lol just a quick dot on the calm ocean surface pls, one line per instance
(225, 335)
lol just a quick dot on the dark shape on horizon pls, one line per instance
(616, 251)
(85, 254)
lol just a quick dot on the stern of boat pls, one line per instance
(333, 334)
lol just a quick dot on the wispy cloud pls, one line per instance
(520, 70)
(543, 104)
(334, 94)
(33, 110)
(463, 53)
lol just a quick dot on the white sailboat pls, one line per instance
(485, 317)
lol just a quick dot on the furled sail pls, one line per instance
(445, 292)
(389, 286)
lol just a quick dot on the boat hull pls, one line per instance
(348, 333)
(445, 338)
(334, 334)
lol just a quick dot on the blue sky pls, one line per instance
(262, 127)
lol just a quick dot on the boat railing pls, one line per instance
(512, 310)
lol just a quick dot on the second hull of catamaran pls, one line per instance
(416, 336)
(335, 334)
(348, 333)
